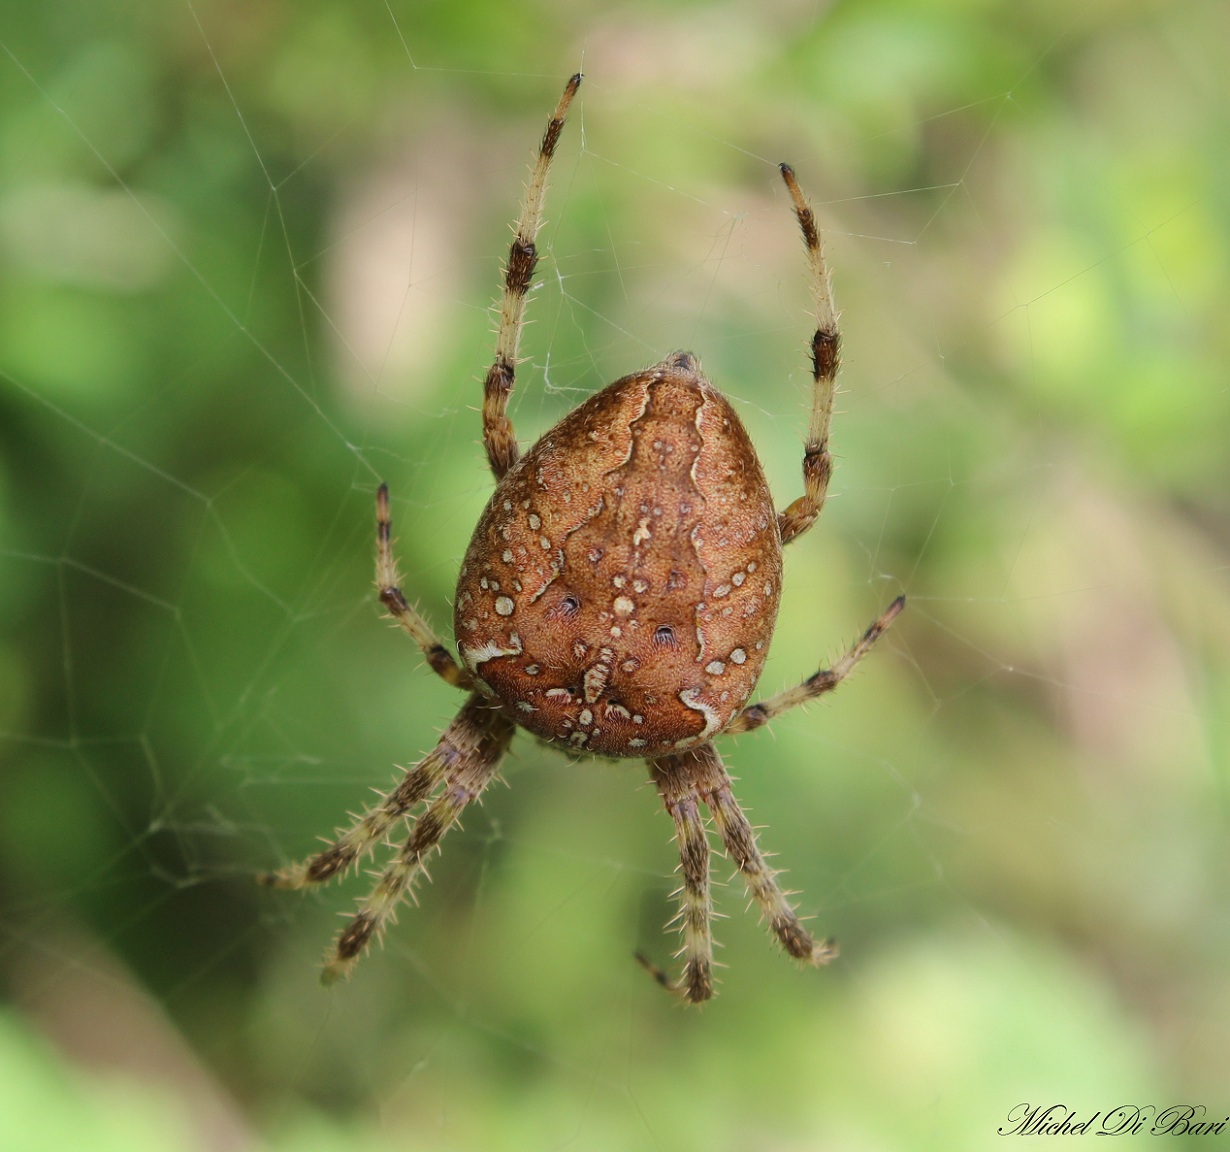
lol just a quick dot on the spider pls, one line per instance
(617, 599)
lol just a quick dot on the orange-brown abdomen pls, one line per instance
(620, 590)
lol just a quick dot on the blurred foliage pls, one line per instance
(245, 257)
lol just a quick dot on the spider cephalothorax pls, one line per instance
(617, 598)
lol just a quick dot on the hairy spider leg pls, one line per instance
(713, 784)
(755, 715)
(458, 744)
(408, 618)
(679, 795)
(498, 436)
(826, 362)
(479, 738)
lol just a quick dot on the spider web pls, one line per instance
(249, 270)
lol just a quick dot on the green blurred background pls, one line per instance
(246, 257)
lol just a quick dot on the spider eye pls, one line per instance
(664, 635)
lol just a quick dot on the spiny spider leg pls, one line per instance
(498, 436)
(678, 794)
(825, 360)
(457, 745)
(714, 786)
(388, 585)
(477, 739)
(755, 715)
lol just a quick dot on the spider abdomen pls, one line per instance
(621, 587)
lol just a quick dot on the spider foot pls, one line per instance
(314, 870)
(293, 877)
(351, 944)
(800, 943)
(824, 952)
(695, 988)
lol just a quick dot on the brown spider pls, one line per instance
(617, 598)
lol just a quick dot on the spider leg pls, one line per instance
(457, 745)
(678, 793)
(480, 737)
(712, 783)
(825, 360)
(755, 715)
(408, 618)
(498, 436)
